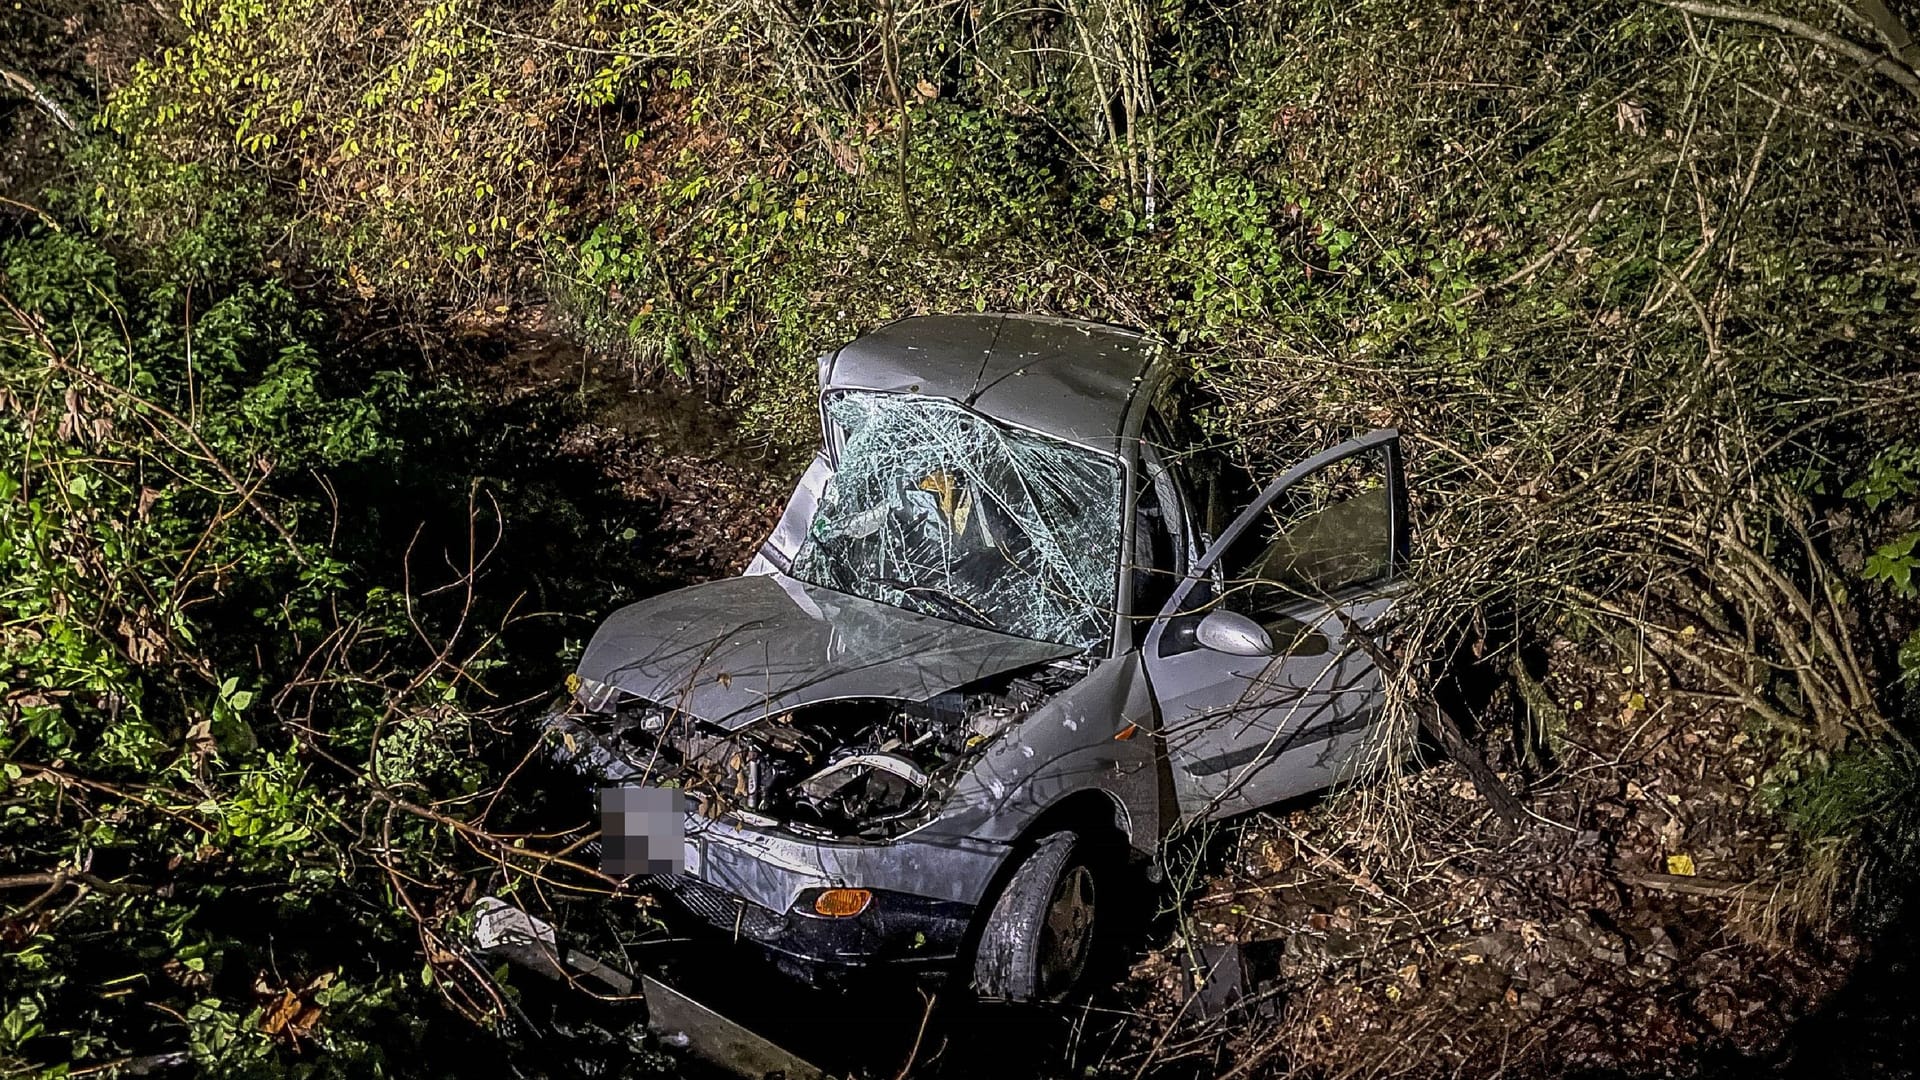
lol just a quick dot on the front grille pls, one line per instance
(721, 908)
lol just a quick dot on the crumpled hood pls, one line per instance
(731, 652)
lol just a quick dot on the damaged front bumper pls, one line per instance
(899, 931)
(759, 885)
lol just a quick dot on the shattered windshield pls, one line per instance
(937, 509)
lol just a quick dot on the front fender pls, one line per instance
(1096, 736)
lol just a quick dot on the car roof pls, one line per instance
(1084, 381)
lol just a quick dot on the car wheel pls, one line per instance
(1039, 935)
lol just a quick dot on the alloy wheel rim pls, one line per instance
(1067, 932)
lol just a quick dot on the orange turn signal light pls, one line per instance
(841, 903)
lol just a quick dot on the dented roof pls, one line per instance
(1084, 381)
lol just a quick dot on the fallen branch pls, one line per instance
(1690, 886)
(143, 1065)
(1888, 27)
(1443, 728)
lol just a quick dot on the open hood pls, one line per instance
(732, 652)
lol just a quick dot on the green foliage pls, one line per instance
(1830, 799)
(419, 142)
(1892, 475)
(164, 566)
(1861, 808)
(1890, 484)
(196, 223)
(1578, 251)
(1894, 563)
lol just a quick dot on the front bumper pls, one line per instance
(896, 931)
(758, 884)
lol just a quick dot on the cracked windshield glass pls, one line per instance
(937, 509)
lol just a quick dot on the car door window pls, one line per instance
(1332, 531)
(1328, 533)
(1217, 487)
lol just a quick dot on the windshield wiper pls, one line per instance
(948, 602)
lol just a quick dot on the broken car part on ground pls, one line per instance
(1015, 621)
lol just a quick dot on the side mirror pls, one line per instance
(1234, 634)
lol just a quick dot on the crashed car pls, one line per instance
(1017, 613)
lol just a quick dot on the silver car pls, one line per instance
(1017, 623)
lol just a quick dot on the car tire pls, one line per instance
(1038, 938)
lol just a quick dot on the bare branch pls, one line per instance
(1890, 66)
(40, 98)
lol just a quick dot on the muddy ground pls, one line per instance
(1632, 928)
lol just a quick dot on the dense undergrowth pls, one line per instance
(172, 595)
(1639, 285)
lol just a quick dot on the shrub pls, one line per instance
(174, 830)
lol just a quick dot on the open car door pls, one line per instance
(1261, 694)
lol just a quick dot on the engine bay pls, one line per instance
(856, 768)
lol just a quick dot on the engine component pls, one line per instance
(864, 767)
(864, 787)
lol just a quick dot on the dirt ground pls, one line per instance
(1629, 929)
(709, 494)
